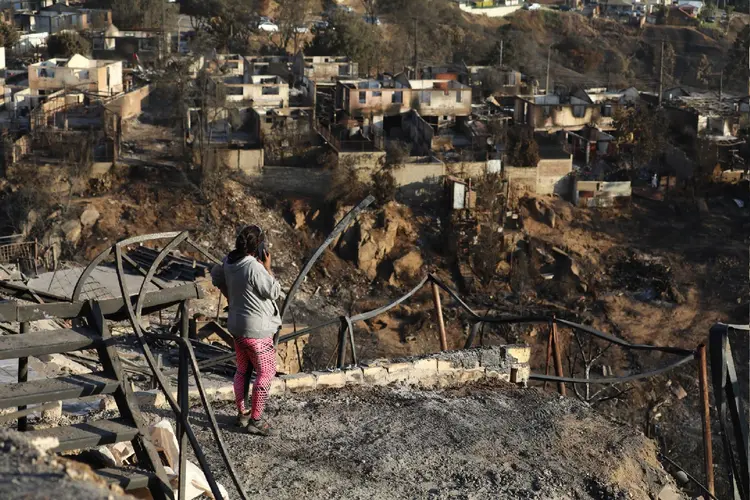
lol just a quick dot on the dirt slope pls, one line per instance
(479, 441)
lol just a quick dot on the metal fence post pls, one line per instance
(558, 359)
(182, 395)
(439, 314)
(23, 376)
(705, 409)
(342, 344)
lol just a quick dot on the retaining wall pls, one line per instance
(509, 363)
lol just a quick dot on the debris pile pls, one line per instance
(648, 277)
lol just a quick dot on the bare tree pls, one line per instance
(293, 18)
(589, 353)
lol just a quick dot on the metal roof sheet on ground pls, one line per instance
(102, 284)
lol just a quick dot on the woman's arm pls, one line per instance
(267, 285)
(218, 280)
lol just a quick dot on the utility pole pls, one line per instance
(501, 54)
(549, 55)
(416, 52)
(661, 73)
(721, 85)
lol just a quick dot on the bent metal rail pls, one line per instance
(52, 305)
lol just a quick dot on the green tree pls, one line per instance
(226, 22)
(293, 16)
(134, 14)
(67, 44)
(521, 149)
(708, 11)
(641, 133)
(736, 70)
(351, 36)
(8, 35)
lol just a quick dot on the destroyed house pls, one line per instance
(100, 77)
(440, 98)
(566, 110)
(267, 65)
(127, 44)
(324, 68)
(704, 114)
(228, 64)
(373, 98)
(265, 91)
(51, 21)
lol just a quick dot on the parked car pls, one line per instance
(565, 8)
(374, 20)
(302, 29)
(320, 25)
(711, 19)
(268, 26)
(532, 6)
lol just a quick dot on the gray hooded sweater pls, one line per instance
(252, 292)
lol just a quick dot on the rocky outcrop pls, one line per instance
(377, 241)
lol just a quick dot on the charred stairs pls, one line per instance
(129, 426)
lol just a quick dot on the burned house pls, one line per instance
(323, 68)
(259, 91)
(563, 110)
(100, 77)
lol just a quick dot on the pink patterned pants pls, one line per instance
(261, 354)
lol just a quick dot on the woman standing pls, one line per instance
(246, 280)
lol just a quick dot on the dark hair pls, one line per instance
(247, 243)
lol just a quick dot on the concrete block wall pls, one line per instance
(509, 363)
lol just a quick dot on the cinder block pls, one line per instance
(399, 372)
(429, 365)
(466, 376)
(300, 382)
(278, 386)
(519, 374)
(447, 378)
(521, 353)
(224, 393)
(427, 380)
(375, 375)
(354, 376)
(330, 379)
(445, 366)
(489, 357)
(497, 375)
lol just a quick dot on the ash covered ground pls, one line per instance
(479, 441)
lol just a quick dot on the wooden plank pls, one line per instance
(127, 478)
(56, 389)
(148, 456)
(46, 342)
(87, 434)
(113, 308)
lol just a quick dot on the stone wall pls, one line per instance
(445, 369)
